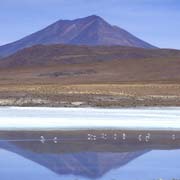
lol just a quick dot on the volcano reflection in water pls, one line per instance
(69, 155)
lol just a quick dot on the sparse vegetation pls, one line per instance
(91, 76)
(91, 95)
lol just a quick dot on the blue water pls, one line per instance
(152, 165)
(25, 156)
(18, 163)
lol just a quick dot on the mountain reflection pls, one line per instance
(71, 153)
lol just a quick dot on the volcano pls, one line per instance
(92, 31)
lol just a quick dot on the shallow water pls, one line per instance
(92, 154)
(89, 144)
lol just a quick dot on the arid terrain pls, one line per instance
(61, 75)
(87, 62)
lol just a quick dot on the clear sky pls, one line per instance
(155, 21)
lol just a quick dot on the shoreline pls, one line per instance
(108, 102)
(39, 118)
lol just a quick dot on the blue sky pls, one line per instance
(155, 21)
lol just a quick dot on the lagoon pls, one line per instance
(23, 155)
(89, 143)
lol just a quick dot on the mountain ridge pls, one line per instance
(91, 30)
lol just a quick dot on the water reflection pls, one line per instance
(90, 155)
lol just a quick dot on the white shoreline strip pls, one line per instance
(15, 118)
(63, 123)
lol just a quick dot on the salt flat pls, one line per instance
(34, 118)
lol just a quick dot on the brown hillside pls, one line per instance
(62, 75)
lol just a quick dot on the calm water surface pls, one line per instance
(89, 155)
(89, 144)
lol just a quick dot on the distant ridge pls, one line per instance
(91, 30)
(46, 55)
